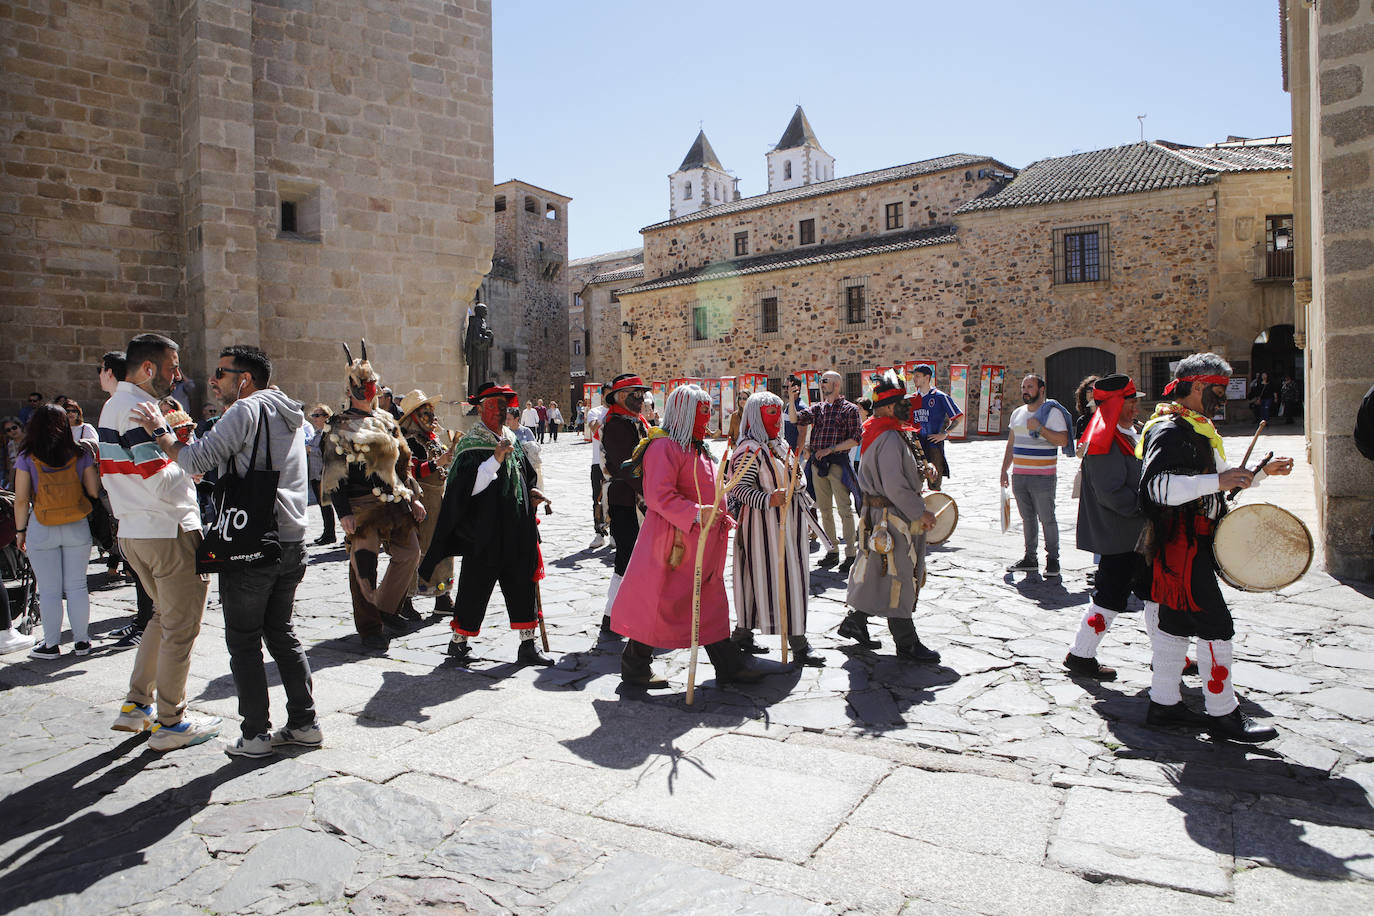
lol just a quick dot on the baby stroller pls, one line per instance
(16, 572)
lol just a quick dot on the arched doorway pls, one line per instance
(1065, 369)
(1274, 352)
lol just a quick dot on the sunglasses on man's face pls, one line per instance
(35, 400)
(221, 372)
(11, 429)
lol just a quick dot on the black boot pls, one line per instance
(1179, 715)
(1088, 667)
(802, 653)
(1237, 726)
(444, 604)
(607, 634)
(855, 627)
(730, 664)
(745, 640)
(407, 610)
(460, 651)
(909, 645)
(529, 654)
(635, 666)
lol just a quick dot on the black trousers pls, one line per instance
(598, 500)
(1214, 620)
(1119, 574)
(625, 530)
(475, 583)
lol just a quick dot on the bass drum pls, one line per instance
(1262, 548)
(946, 517)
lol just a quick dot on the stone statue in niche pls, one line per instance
(477, 347)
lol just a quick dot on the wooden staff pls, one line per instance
(538, 593)
(1253, 440)
(707, 522)
(782, 551)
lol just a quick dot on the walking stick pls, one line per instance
(707, 522)
(539, 594)
(782, 551)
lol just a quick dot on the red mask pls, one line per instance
(493, 412)
(365, 392)
(703, 419)
(772, 420)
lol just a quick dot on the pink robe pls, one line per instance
(654, 604)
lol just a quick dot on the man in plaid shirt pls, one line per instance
(834, 431)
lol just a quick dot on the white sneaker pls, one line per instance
(309, 736)
(610, 542)
(12, 640)
(597, 542)
(133, 718)
(261, 746)
(191, 730)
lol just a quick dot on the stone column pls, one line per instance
(219, 241)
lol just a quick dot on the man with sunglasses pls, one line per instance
(14, 435)
(34, 402)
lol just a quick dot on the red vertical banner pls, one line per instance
(990, 381)
(958, 390)
(751, 382)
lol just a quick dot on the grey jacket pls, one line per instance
(888, 469)
(232, 437)
(1109, 516)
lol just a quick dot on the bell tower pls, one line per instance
(700, 182)
(798, 159)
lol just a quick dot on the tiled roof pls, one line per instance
(608, 256)
(1149, 166)
(793, 257)
(798, 132)
(632, 272)
(700, 155)
(863, 179)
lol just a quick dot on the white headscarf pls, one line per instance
(680, 413)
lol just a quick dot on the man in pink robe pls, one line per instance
(653, 608)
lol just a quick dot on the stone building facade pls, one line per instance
(1328, 67)
(1119, 259)
(231, 171)
(527, 292)
(594, 313)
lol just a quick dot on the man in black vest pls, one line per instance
(621, 431)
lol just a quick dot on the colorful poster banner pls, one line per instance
(872, 375)
(591, 397)
(958, 390)
(674, 383)
(909, 373)
(811, 386)
(990, 400)
(752, 382)
(660, 391)
(712, 386)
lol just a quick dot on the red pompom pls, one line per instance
(1216, 686)
(1098, 623)
(1220, 672)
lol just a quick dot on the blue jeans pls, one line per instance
(1035, 501)
(257, 609)
(59, 555)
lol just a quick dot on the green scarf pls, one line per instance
(481, 439)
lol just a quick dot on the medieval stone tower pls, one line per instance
(700, 182)
(798, 159)
(288, 175)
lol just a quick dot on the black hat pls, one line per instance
(491, 390)
(925, 369)
(1116, 382)
(887, 388)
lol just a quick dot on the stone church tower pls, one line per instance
(700, 182)
(798, 159)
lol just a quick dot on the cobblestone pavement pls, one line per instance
(990, 784)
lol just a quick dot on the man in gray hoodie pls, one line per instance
(258, 602)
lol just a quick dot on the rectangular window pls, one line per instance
(701, 323)
(1278, 246)
(775, 385)
(768, 315)
(1155, 372)
(894, 215)
(288, 216)
(577, 348)
(1080, 254)
(508, 360)
(853, 385)
(806, 232)
(298, 210)
(741, 244)
(855, 308)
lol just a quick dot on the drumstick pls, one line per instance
(1259, 467)
(941, 511)
(1253, 440)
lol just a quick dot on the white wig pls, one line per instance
(680, 413)
(751, 424)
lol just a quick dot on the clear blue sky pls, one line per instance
(600, 99)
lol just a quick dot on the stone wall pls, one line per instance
(151, 145)
(928, 200)
(89, 198)
(1244, 305)
(1330, 71)
(600, 311)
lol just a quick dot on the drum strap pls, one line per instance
(1172, 584)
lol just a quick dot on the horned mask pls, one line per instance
(362, 379)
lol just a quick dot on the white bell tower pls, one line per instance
(798, 159)
(700, 182)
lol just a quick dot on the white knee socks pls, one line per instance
(1169, 655)
(1214, 663)
(1091, 628)
(527, 635)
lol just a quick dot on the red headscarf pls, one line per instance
(1103, 430)
(875, 426)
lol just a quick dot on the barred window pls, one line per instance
(1155, 372)
(768, 315)
(853, 385)
(741, 244)
(701, 323)
(508, 360)
(894, 215)
(1080, 254)
(855, 305)
(806, 232)
(710, 321)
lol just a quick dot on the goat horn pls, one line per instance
(348, 355)
(364, 340)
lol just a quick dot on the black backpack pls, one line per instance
(1364, 425)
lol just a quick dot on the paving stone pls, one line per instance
(518, 856)
(1301, 846)
(398, 896)
(839, 893)
(382, 816)
(1011, 700)
(298, 860)
(971, 813)
(632, 883)
(1273, 890)
(1348, 701)
(1176, 841)
(964, 880)
(279, 777)
(262, 814)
